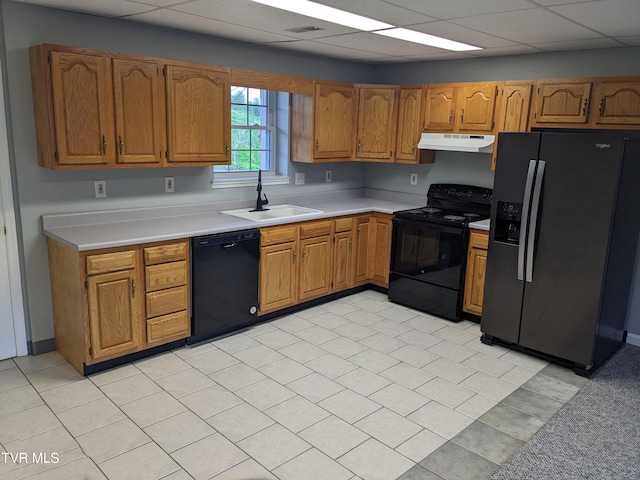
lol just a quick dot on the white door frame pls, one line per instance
(13, 262)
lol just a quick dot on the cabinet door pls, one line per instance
(409, 124)
(315, 267)
(278, 279)
(514, 107)
(474, 281)
(139, 111)
(376, 122)
(363, 249)
(114, 321)
(618, 103)
(342, 263)
(439, 108)
(333, 121)
(83, 109)
(562, 102)
(476, 104)
(382, 252)
(198, 115)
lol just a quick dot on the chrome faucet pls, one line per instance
(260, 203)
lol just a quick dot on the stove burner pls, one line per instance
(471, 215)
(431, 210)
(454, 218)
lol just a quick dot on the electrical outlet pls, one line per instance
(414, 179)
(168, 184)
(299, 178)
(327, 175)
(100, 187)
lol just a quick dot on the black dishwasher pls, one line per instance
(224, 283)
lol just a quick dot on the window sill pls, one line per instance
(244, 182)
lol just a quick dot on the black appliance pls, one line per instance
(224, 283)
(562, 244)
(429, 248)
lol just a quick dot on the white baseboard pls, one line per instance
(633, 339)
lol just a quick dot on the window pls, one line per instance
(252, 132)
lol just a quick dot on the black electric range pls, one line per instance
(429, 248)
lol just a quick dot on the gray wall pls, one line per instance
(43, 191)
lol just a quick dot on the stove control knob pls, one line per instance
(469, 193)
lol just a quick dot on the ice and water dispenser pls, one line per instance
(508, 222)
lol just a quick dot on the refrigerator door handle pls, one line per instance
(525, 217)
(535, 203)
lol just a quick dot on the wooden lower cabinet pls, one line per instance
(104, 307)
(278, 277)
(475, 272)
(381, 257)
(363, 249)
(316, 258)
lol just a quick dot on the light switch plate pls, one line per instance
(100, 187)
(327, 175)
(299, 178)
(414, 179)
(168, 184)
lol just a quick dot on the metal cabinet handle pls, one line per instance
(226, 146)
(317, 145)
(359, 145)
(294, 256)
(462, 117)
(133, 288)
(584, 106)
(350, 242)
(601, 107)
(120, 144)
(450, 116)
(304, 251)
(413, 148)
(104, 145)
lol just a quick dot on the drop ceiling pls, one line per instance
(500, 27)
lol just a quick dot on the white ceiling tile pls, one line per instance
(548, 3)
(112, 8)
(462, 34)
(444, 9)
(379, 10)
(261, 17)
(207, 26)
(594, 43)
(439, 56)
(328, 50)
(159, 3)
(501, 51)
(378, 43)
(528, 26)
(615, 18)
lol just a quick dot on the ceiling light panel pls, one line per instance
(426, 39)
(328, 14)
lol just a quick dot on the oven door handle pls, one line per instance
(526, 203)
(535, 204)
(434, 227)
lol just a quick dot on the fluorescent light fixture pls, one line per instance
(328, 14)
(426, 39)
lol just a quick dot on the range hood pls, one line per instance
(457, 142)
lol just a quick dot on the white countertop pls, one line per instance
(90, 231)
(481, 224)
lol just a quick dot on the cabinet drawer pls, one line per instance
(165, 275)
(479, 239)
(168, 328)
(273, 236)
(344, 224)
(315, 229)
(166, 253)
(111, 262)
(167, 301)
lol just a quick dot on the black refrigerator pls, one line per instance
(564, 232)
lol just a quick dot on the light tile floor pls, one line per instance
(355, 388)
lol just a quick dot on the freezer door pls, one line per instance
(503, 291)
(570, 245)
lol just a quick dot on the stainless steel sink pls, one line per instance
(273, 212)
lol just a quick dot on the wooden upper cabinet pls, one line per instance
(440, 108)
(198, 115)
(460, 107)
(409, 127)
(83, 109)
(333, 121)
(617, 103)
(376, 122)
(561, 102)
(475, 105)
(513, 111)
(139, 111)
